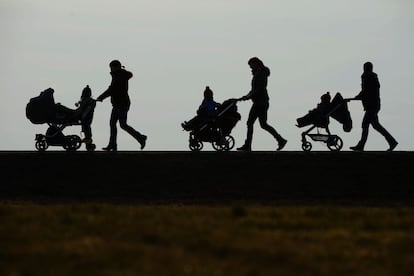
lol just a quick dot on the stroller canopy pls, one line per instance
(41, 109)
(340, 112)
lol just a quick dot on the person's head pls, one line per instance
(115, 65)
(255, 63)
(368, 67)
(86, 92)
(208, 93)
(326, 98)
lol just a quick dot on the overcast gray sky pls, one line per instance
(175, 48)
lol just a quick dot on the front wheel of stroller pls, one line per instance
(41, 145)
(335, 143)
(196, 145)
(306, 146)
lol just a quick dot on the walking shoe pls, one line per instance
(110, 148)
(143, 141)
(244, 148)
(282, 144)
(356, 148)
(392, 146)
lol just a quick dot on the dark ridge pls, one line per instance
(339, 178)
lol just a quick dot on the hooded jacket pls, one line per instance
(118, 89)
(369, 94)
(258, 93)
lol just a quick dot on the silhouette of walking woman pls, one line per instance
(370, 97)
(118, 91)
(260, 106)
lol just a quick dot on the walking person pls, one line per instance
(370, 97)
(260, 98)
(118, 91)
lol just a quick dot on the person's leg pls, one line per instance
(112, 124)
(87, 131)
(378, 127)
(262, 113)
(366, 121)
(250, 123)
(123, 116)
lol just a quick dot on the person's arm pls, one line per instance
(105, 94)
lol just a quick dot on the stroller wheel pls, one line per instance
(195, 145)
(306, 146)
(225, 144)
(41, 145)
(334, 143)
(72, 143)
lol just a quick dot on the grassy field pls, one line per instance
(227, 239)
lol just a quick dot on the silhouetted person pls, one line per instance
(370, 97)
(260, 99)
(118, 91)
(205, 112)
(85, 111)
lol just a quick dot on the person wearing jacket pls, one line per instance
(260, 98)
(205, 112)
(370, 97)
(118, 91)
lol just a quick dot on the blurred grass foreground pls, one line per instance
(144, 239)
(206, 213)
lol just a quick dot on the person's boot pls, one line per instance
(143, 141)
(282, 144)
(110, 148)
(392, 146)
(245, 147)
(358, 147)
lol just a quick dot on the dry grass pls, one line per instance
(110, 239)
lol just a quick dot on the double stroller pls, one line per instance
(319, 118)
(43, 110)
(215, 130)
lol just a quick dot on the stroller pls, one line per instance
(319, 118)
(43, 109)
(215, 130)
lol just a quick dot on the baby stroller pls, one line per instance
(215, 130)
(319, 118)
(43, 109)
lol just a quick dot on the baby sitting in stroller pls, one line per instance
(213, 123)
(319, 115)
(205, 112)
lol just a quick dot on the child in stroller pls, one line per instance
(319, 118)
(213, 123)
(43, 109)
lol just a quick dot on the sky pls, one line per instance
(175, 48)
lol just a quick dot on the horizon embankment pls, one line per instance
(290, 177)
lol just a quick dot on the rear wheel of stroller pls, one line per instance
(41, 145)
(335, 143)
(306, 146)
(72, 143)
(226, 144)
